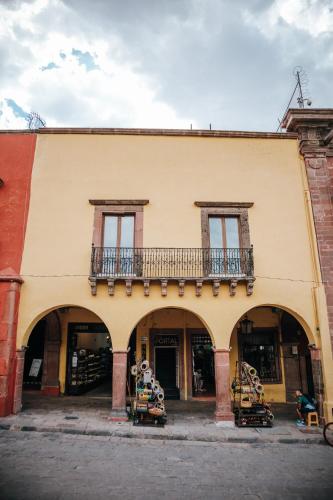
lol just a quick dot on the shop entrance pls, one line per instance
(89, 359)
(275, 344)
(296, 357)
(166, 347)
(34, 358)
(180, 353)
(165, 362)
(203, 370)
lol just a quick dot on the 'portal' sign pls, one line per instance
(166, 340)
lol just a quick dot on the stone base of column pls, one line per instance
(225, 419)
(118, 416)
(50, 391)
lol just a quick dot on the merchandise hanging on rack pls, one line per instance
(148, 407)
(250, 408)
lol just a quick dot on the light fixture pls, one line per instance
(246, 325)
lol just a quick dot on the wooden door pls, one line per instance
(292, 371)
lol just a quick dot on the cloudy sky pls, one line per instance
(161, 63)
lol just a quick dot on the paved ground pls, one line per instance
(191, 421)
(37, 466)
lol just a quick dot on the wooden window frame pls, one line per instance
(231, 211)
(224, 231)
(118, 210)
(119, 226)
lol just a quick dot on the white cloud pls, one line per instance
(165, 63)
(8, 120)
(114, 93)
(312, 16)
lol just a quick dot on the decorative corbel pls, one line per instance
(232, 287)
(249, 287)
(111, 287)
(146, 284)
(93, 285)
(164, 288)
(198, 288)
(216, 287)
(181, 286)
(128, 284)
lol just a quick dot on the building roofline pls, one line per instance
(156, 132)
(295, 117)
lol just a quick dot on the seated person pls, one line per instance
(304, 406)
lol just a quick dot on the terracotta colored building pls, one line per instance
(16, 159)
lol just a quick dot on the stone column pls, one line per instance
(318, 383)
(19, 370)
(223, 414)
(9, 300)
(118, 413)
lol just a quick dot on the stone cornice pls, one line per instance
(119, 202)
(312, 117)
(224, 204)
(11, 278)
(169, 132)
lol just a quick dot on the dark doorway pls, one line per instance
(296, 357)
(89, 358)
(203, 383)
(166, 371)
(34, 358)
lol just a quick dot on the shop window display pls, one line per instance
(89, 357)
(260, 350)
(203, 365)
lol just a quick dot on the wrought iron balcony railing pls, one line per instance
(172, 263)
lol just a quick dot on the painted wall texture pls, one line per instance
(172, 172)
(16, 159)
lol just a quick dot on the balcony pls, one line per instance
(180, 265)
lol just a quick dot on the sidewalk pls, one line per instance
(190, 421)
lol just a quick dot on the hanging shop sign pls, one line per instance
(87, 327)
(35, 367)
(166, 340)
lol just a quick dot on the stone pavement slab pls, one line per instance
(98, 424)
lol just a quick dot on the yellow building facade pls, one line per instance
(206, 232)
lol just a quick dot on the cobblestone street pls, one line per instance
(59, 466)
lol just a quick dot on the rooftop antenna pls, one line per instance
(301, 88)
(35, 121)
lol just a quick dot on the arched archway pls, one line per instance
(278, 343)
(41, 364)
(68, 351)
(179, 348)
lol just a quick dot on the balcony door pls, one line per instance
(224, 244)
(118, 243)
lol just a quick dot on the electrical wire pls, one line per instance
(296, 280)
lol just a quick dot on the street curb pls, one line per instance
(163, 437)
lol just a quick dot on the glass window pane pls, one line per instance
(231, 229)
(110, 231)
(215, 232)
(127, 231)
